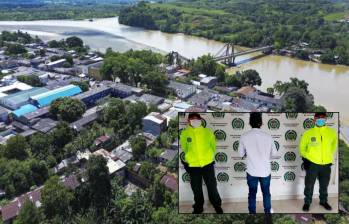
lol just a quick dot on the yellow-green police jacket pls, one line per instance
(199, 145)
(319, 144)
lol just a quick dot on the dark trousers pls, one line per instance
(252, 183)
(313, 172)
(208, 174)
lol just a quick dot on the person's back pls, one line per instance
(258, 146)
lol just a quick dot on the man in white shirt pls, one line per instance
(258, 147)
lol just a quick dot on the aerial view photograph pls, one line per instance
(174, 111)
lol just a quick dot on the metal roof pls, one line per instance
(45, 99)
(14, 100)
(24, 110)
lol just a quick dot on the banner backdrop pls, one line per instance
(287, 171)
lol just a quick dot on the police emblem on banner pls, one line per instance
(274, 166)
(220, 135)
(329, 115)
(182, 156)
(291, 116)
(273, 124)
(237, 124)
(222, 177)
(289, 176)
(289, 156)
(203, 122)
(239, 167)
(291, 135)
(221, 157)
(308, 123)
(186, 177)
(218, 115)
(236, 146)
(277, 145)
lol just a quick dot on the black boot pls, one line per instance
(197, 211)
(219, 210)
(306, 207)
(326, 205)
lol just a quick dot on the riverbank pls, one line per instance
(60, 11)
(233, 22)
(328, 83)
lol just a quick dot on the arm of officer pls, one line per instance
(242, 149)
(334, 142)
(183, 139)
(303, 144)
(213, 141)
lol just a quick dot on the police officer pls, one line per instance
(199, 145)
(317, 148)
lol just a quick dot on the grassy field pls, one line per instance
(336, 16)
(190, 10)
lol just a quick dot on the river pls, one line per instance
(328, 83)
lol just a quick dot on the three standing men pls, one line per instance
(199, 145)
(317, 148)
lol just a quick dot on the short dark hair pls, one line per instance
(256, 119)
(320, 114)
(194, 115)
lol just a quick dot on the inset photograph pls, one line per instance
(258, 162)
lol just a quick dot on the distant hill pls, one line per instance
(40, 2)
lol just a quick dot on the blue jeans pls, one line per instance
(252, 183)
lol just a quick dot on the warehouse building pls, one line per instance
(45, 99)
(16, 100)
(91, 96)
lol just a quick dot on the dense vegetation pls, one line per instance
(136, 68)
(43, 11)
(250, 23)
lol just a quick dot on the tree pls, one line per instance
(82, 84)
(40, 145)
(155, 81)
(14, 49)
(328, 58)
(270, 90)
(138, 145)
(296, 99)
(67, 109)
(32, 80)
(61, 135)
(74, 41)
(39, 171)
(29, 214)
(148, 170)
(56, 200)
(16, 148)
(205, 64)
(99, 183)
(53, 44)
(250, 77)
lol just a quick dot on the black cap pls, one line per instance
(194, 115)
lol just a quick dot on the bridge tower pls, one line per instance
(230, 53)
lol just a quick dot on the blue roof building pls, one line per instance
(45, 99)
(16, 100)
(24, 110)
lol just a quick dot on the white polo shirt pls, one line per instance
(259, 147)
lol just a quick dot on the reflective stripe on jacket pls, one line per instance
(199, 145)
(319, 144)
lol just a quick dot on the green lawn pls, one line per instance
(336, 16)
